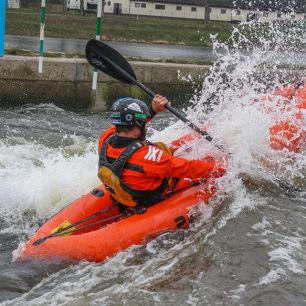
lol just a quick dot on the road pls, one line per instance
(140, 50)
(156, 51)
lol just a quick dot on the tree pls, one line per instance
(207, 11)
(65, 6)
(103, 7)
(82, 11)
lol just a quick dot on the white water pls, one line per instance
(254, 245)
(43, 179)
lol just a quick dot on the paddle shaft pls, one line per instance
(109, 61)
(168, 107)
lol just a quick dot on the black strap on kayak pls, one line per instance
(126, 213)
(58, 234)
(173, 191)
(141, 209)
(63, 230)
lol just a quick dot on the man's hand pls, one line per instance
(217, 167)
(158, 103)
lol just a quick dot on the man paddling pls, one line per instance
(139, 173)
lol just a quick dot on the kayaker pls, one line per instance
(137, 172)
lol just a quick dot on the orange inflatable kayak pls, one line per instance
(102, 235)
(288, 131)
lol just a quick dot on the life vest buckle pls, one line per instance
(140, 210)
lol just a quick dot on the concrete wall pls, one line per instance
(67, 82)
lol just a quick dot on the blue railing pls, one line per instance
(2, 25)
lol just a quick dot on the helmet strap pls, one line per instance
(143, 129)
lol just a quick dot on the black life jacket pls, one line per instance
(110, 171)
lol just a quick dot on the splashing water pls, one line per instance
(45, 164)
(246, 251)
(233, 98)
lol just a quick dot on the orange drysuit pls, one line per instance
(290, 132)
(156, 164)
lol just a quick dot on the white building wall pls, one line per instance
(294, 17)
(264, 16)
(239, 15)
(171, 10)
(13, 4)
(138, 7)
(109, 6)
(73, 4)
(220, 13)
(88, 4)
(124, 4)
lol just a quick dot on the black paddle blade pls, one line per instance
(109, 61)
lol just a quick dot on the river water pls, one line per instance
(249, 251)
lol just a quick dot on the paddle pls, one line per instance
(109, 61)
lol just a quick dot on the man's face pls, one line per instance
(142, 128)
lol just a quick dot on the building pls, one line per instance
(270, 10)
(13, 4)
(191, 9)
(220, 10)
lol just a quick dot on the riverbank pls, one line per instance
(160, 30)
(67, 82)
(75, 48)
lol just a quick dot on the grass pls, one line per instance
(116, 28)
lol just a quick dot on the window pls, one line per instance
(137, 4)
(193, 9)
(237, 12)
(279, 15)
(178, 8)
(143, 5)
(159, 7)
(223, 11)
(92, 6)
(251, 16)
(265, 14)
(108, 3)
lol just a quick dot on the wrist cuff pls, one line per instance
(152, 112)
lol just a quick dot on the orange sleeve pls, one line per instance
(110, 131)
(159, 164)
(301, 97)
(285, 92)
(175, 144)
